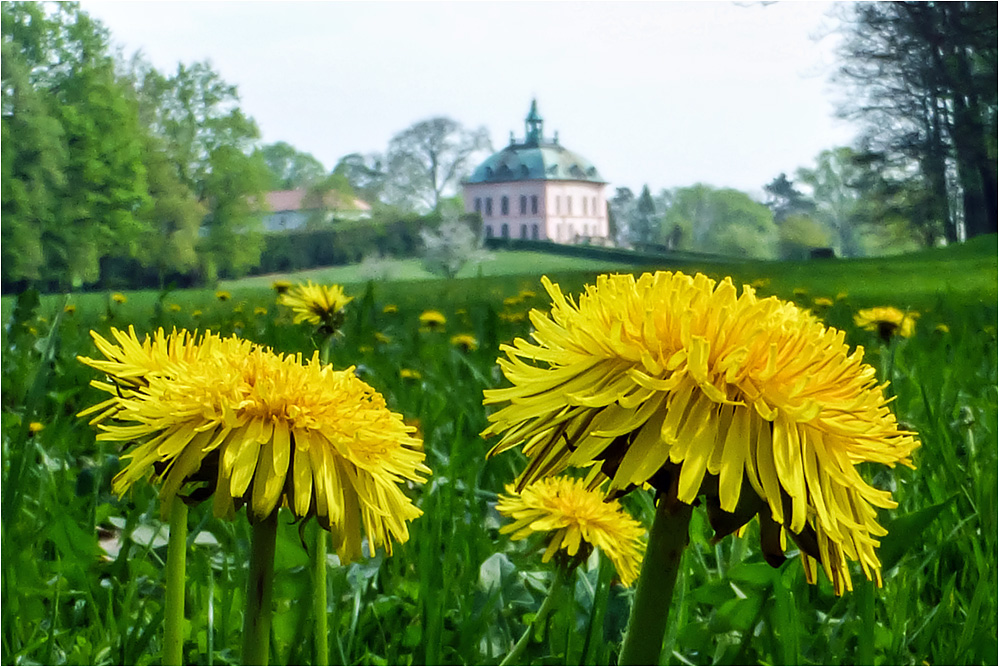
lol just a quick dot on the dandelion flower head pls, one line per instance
(887, 321)
(432, 319)
(316, 304)
(679, 380)
(466, 342)
(573, 516)
(258, 429)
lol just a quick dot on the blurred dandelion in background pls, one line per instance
(887, 321)
(432, 319)
(319, 305)
(465, 342)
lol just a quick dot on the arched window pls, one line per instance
(489, 231)
(505, 205)
(478, 204)
(523, 231)
(534, 232)
(489, 206)
(534, 203)
(505, 231)
(523, 204)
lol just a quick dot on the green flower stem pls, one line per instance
(176, 565)
(561, 576)
(319, 596)
(319, 600)
(257, 618)
(654, 590)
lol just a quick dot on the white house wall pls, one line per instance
(567, 211)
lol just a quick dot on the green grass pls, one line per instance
(83, 571)
(499, 264)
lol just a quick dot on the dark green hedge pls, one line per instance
(347, 242)
(651, 255)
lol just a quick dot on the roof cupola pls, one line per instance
(533, 126)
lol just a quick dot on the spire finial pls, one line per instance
(533, 125)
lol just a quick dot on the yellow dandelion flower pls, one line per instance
(258, 429)
(69, 308)
(513, 318)
(432, 319)
(887, 321)
(118, 297)
(465, 342)
(679, 380)
(36, 427)
(822, 301)
(223, 295)
(320, 305)
(409, 374)
(174, 307)
(575, 519)
(390, 308)
(281, 286)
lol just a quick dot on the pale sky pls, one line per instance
(663, 93)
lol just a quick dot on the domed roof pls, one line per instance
(535, 159)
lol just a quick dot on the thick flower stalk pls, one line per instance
(682, 382)
(574, 518)
(321, 305)
(226, 417)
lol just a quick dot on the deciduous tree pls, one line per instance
(428, 160)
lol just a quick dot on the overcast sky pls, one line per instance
(665, 93)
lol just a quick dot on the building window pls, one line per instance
(505, 231)
(489, 231)
(594, 206)
(534, 232)
(534, 203)
(505, 205)
(523, 231)
(558, 205)
(568, 205)
(478, 204)
(585, 211)
(489, 206)
(523, 204)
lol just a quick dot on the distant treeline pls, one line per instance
(344, 242)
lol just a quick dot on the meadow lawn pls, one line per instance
(83, 571)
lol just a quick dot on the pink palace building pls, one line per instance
(538, 189)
